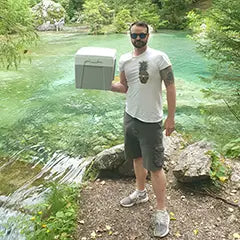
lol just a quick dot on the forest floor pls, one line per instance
(195, 213)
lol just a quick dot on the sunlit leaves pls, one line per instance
(17, 32)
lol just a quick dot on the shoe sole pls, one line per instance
(137, 202)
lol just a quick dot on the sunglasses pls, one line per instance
(135, 35)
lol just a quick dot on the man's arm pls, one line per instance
(168, 78)
(121, 86)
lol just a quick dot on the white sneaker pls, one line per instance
(134, 198)
(161, 227)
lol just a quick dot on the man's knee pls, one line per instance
(156, 172)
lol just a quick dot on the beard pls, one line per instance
(139, 43)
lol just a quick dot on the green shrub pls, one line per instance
(56, 218)
(232, 149)
(17, 32)
(220, 171)
(96, 14)
(148, 12)
(173, 13)
(217, 32)
(121, 20)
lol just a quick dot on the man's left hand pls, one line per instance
(169, 125)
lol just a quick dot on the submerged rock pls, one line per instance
(193, 163)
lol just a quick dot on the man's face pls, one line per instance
(139, 36)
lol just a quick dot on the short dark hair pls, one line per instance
(139, 24)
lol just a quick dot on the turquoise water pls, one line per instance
(42, 112)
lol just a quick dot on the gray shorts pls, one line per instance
(144, 140)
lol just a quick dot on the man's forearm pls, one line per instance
(171, 100)
(118, 87)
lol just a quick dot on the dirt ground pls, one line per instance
(194, 215)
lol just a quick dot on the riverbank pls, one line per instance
(195, 213)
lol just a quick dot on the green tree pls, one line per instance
(137, 10)
(148, 12)
(118, 5)
(173, 12)
(96, 14)
(217, 35)
(33, 2)
(17, 32)
(217, 32)
(71, 7)
(121, 20)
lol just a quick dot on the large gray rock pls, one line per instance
(111, 162)
(49, 15)
(193, 163)
(110, 159)
(235, 172)
(171, 144)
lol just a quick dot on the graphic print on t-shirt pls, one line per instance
(143, 74)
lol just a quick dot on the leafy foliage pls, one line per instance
(56, 218)
(96, 14)
(120, 16)
(17, 32)
(220, 171)
(232, 149)
(71, 7)
(217, 32)
(173, 13)
(148, 12)
(121, 20)
(33, 2)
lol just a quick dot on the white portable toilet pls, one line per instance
(95, 68)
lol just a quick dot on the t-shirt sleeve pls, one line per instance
(163, 61)
(121, 64)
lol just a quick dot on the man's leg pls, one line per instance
(162, 219)
(140, 173)
(140, 194)
(159, 187)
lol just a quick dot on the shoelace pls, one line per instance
(135, 195)
(162, 218)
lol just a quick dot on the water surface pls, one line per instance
(42, 112)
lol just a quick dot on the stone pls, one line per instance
(110, 158)
(111, 162)
(193, 163)
(235, 176)
(171, 144)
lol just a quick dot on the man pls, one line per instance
(141, 74)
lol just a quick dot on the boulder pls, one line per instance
(111, 162)
(110, 158)
(171, 144)
(193, 163)
(235, 172)
(49, 15)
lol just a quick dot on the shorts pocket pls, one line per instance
(158, 156)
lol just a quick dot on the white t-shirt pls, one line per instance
(144, 99)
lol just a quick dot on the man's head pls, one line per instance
(139, 33)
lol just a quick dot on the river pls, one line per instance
(42, 113)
